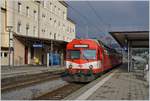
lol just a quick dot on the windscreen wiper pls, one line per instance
(85, 57)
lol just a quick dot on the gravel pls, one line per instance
(32, 91)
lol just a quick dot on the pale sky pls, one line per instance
(109, 15)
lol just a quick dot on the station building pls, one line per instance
(39, 29)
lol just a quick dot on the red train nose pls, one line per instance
(80, 66)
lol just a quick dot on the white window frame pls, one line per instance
(34, 30)
(50, 6)
(55, 36)
(27, 11)
(27, 29)
(19, 7)
(35, 14)
(19, 27)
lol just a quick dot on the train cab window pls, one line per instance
(73, 54)
(89, 54)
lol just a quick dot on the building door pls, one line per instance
(26, 55)
(42, 59)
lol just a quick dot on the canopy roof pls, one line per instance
(137, 39)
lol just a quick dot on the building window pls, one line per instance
(59, 23)
(64, 15)
(55, 9)
(58, 11)
(68, 29)
(34, 28)
(63, 27)
(73, 30)
(27, 29)
(50, 35)
(35, 15)
(19, 27)
(54, 36)
(43, 15)
(1, 54)
(43, 30)
(19, 7)
(50, 6)
(5, 54)
(54, 22)
(27, 11)
(43, 3)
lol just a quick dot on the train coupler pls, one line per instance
(90, 72)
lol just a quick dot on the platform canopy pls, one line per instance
(137, 39)
(131, 39)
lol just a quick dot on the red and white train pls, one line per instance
(87, 58)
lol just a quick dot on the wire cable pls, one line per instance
(84, 17)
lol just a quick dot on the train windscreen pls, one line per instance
(89, 54)
(73, 54)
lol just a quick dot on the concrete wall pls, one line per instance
(50, 20)
(19, 52)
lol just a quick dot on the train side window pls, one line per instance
(105, 51)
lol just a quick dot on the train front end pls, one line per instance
(82, 62)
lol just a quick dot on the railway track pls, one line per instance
(30, 80)
(64, 91)
(61, 92)
(44, 87)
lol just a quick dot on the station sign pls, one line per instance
(81, 46)
(37, 45)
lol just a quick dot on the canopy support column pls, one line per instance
(128, 56)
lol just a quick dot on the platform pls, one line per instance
(27, 70)
(118, 84)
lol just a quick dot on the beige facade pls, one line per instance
(18, 52)
(41, 20)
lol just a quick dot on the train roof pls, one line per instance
(105, 46)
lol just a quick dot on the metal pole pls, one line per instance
(9, 49)
(131, 59)
(128, 56)
(9, 30)
(51, 53)
(47, 59)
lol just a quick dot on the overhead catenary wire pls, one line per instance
(98, 16)
(106, 24)
(85, 19)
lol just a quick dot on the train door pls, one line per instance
(98, 59)
(103, 60)
(101, 54)
(42, 59)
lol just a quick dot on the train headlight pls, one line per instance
(91, 66)
(70, 66)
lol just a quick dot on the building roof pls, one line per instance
(64, 3)
(137, 39)
(24, 38)
(70, 20)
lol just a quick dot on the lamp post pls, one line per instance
(51, 53)
(10, 44)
